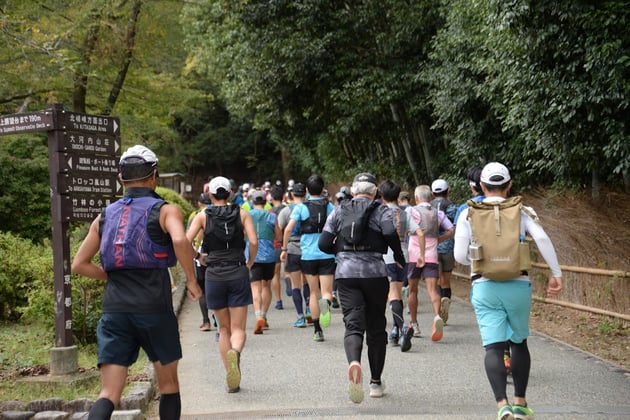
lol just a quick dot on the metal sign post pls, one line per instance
(83, 153)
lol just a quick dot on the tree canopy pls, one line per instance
(410, 90)
(418, 89)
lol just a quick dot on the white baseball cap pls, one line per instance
(219, 182)
(495, 173)
(439, 185)
(141, 153)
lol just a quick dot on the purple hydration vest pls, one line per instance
(125, 240)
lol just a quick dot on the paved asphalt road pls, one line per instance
(286, 374)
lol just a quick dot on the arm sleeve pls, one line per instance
(462, 239)
(326, 242)
(543, 242)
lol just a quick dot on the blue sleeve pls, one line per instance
(296, 214)
(460, 209)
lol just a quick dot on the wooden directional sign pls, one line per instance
(26, 122)
(84, 209)
(99, 185)
(73, 162)
(83, 154)
(75, 121)
(90, 143)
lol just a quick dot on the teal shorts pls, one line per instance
(502, 309)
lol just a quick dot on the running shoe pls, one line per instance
(300, 323)
(355, 386)
(204, 327)
(233, 376)
(324, 313)
(377, 390)
(307, 315)
(445, 304)
(437, 331)
(394, 336)
(405, 339)
(522, 412)
(505, 413)
(287, 286)
(335, 302)
(260, 325)
(279, 305)
(318, 336)
(416, 329)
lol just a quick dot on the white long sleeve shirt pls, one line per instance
(463, 234)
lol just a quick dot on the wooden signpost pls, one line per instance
(83, 155)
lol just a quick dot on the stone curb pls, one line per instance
(131, 406)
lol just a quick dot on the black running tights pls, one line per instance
(363, 302)
(520, 363)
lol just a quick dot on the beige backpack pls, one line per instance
(499, 250)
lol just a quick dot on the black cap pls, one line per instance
(365, 177)
(298, 190)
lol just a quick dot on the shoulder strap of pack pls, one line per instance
(421, 211)
(496, 207)
(402, 223)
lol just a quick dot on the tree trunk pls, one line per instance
(286, 162)
(128, 55)
(421, 130)
(400, 117)
(80, 77)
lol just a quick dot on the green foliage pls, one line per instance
(37, 293)
(22, 347)
(610, 326)
(540, 86)
(173, 198)
(25, 188)
(323, 77)
(405, 89)
(24, 266)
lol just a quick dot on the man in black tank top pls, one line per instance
(228, 292)
(132, 315)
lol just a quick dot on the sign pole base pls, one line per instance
(64, 360)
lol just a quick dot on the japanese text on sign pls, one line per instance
(20, 123)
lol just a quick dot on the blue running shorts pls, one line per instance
(502, 309)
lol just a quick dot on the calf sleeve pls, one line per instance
(170, 406)
(520, 363)
(397, 313)
(296, 294)
(307, 293)
(102, 409)
(495, 370)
